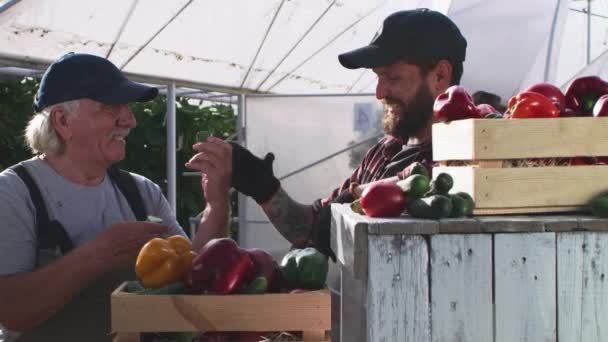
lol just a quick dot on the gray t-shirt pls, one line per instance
(84, 211)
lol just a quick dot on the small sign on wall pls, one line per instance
(364, 116)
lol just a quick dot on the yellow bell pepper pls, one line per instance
(164, 261)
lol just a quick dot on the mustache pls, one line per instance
(391, 102)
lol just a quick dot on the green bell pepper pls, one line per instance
(305, 269)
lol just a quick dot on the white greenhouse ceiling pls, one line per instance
(291, 46)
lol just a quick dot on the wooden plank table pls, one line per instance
(493, 278)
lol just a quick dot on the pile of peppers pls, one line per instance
(222, 267)
(585, 96)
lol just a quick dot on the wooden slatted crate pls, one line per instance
(478, 149)
(308, 312)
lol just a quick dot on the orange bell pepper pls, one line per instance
(161, 262)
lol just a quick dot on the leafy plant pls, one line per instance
(16, 97)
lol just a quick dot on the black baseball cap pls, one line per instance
(417, 34)
(77, 76)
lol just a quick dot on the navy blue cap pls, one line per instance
(77, 76)
(416, 34)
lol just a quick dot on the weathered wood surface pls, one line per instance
(466, 225)
(397, 225)
(459, 225)
(591, 224)
(524, 280)
(582, 286)
(536, 284)
(510, 224)
(353, 308)
(398, 289)
(461, 289)
(349, 232)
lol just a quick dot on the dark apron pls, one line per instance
(85, 318)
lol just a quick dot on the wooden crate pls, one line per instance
(480, 279)
(309, 312)
(484, 144)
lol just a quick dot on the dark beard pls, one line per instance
(409, 120)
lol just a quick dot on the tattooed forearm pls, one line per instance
(292, 219)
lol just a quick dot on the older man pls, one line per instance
(70, 198)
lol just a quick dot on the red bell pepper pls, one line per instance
(221, 267)
(529, 104)
(264, 265)
(583, 92)
(578, 161)
(485, 109)
(552, 92)
(454, 104)
(601, 107)
(383, 200)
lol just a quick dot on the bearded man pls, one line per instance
(417, 55)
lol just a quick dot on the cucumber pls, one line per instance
(441, 206)
(415, 186)
(177, 287)
(470, 205)
(419, 209)
(442, 184)
(599, 206)
(433, 207)
(459, 206)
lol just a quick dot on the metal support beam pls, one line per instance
(241, 125)
(552, 36)
(8, 5)
(41, 64)
(171, 147)
(203, 95)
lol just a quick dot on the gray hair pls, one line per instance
(40, 134)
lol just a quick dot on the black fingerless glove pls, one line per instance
(253, 176)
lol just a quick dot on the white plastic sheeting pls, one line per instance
(291, 46)
(301, 131)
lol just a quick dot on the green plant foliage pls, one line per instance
(146, 144)
(16, 97)
(147, 148)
